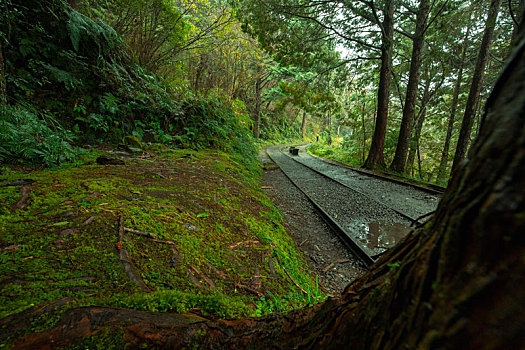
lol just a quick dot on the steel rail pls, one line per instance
(431, 189)
(364, 254)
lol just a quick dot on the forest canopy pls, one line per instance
(381, 84)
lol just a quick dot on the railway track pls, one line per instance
(349, 203)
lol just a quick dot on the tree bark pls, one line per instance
(303, 125)
(375, 155)
(442, 168)
(257, 112)
(475, 89)
(363, 127)
(414, 144)
(3, 85)
(420, 119)
(329, 128)
(409, 110)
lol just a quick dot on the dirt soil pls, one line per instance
(324, 252)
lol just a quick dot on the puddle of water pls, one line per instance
(378, 236)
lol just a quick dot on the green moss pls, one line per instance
(215, 230)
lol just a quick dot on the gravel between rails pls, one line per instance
(406, 199)
(374, 225)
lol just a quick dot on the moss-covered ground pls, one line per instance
(216, 245)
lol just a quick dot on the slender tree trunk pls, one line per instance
(420, 119)
(452, 117)
(258, 102)
(475, 89)
(329, 128)
(375, 155)
(363, 126)
(3, 85)
(414, 144)
(451, 284)
(409, 110)
(303, 125)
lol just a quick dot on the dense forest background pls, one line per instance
(396, 85)
(393, 85)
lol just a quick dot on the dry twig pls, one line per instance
(298, 286)
(140, 233)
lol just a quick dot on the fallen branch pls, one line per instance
(325, 270)
(217, 271)
(235, 245)
(124, 259)
(204, 277)
(22, 203)
(303, 242)
(271, 265)
(140, 233)
(194, 280)
(11, 247)
(163, 242)
(89, 220)
(248, 289)
(298, 286)
(256, 279)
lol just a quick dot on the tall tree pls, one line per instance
(453, 283)
(3, 88)
(409, 109)
(453, 108)
(375, 155)
(4, 17)
(475, 88)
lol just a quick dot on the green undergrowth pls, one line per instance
(219, 247)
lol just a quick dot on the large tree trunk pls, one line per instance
(454, 283)
(452, 117)
(375, 155)
(409, 110)
(475, 89)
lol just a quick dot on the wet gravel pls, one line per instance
(370, 210)
(374, 225)
(335, 265)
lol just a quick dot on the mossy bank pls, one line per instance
(181, 231)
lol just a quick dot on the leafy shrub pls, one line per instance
(26, 137)
(212, 123)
